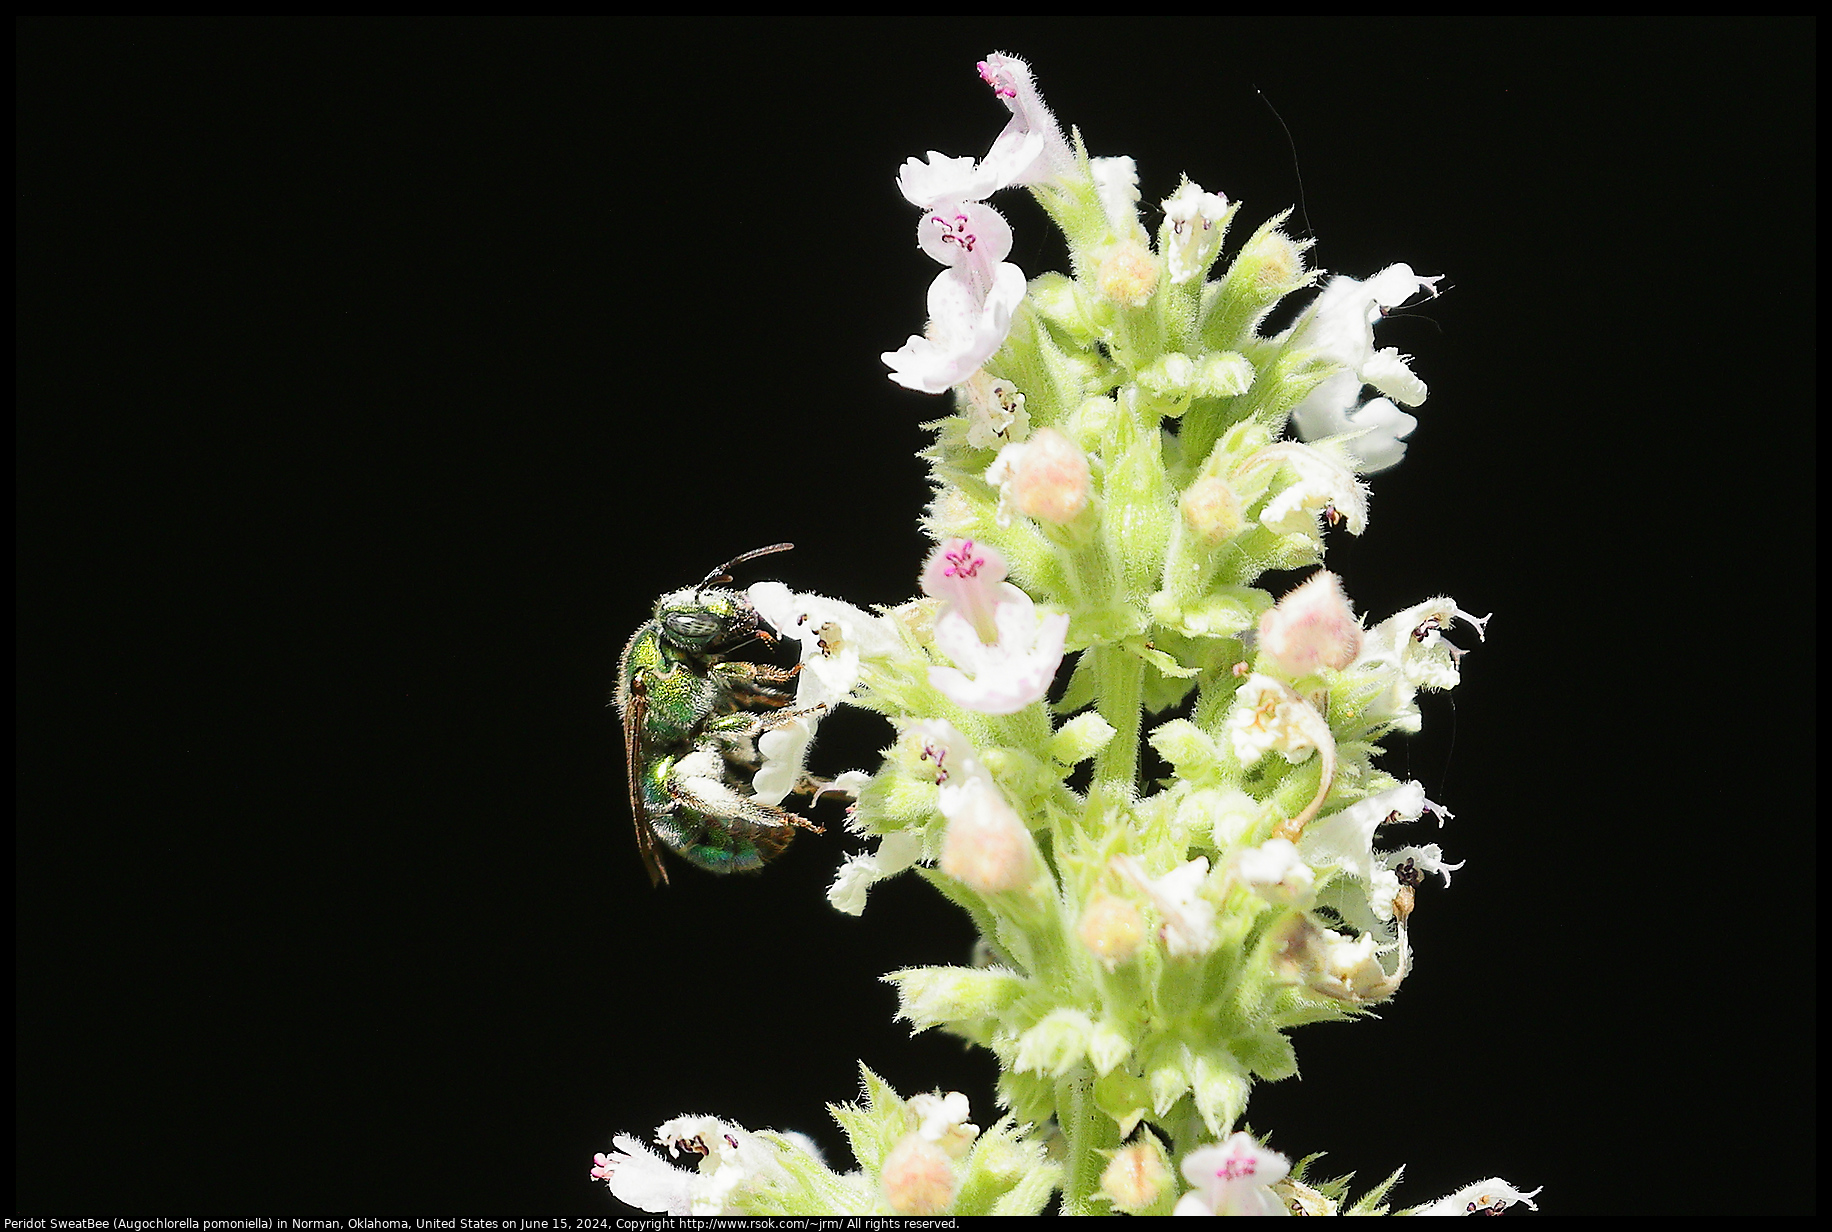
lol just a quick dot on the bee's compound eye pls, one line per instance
(692, 626)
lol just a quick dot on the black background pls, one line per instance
(375, 376)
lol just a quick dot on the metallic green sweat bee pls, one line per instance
(691, 719)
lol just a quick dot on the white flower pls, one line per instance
(1321, 485)
(965, 574)
(1116, 183)
(996, 414)
(1422, 861)
(644, 1179)
(957, 763)
(1233, 1178)
(925, 183)
(1340, 327)
(896, 852)
(1191, 215)
(1275, 872)
(1189, 918)
(1032, 145)
(1345, 840)
(729, 1159)
(1409, 652)
(1269, 718)
(1489, 1197)
(1009, 674)
(1374, 432)
(836, 638)
(968, 322)
(943, 1119)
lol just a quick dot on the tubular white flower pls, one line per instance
(968, 323)
(1009, 674)
(1489, 1197)
(965, 574)
(644, 1179)
(1409, 652)
(1234, 1177)
(1191, 215)
(836, 638)
(729, 1159)
(1322, 485)
(996, 415)
(1340, 327)
(1189, 918)
(957, 763)
(862, 870)
(1116, 183)
(1345, 840)
(1374, 432)
(1031, 126)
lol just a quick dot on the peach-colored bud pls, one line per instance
(1311, 627)
(1280, 262)
(1211, 509)
(1127, 274)
(1049, 478)
(1112, 929)
(986, 846)
(917, 1179)
(1138, 1176)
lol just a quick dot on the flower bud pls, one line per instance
(1112, 929)
(986, 846)
(1138, 1177)
(1312, 627)
(1127, 274)
(1211, 509)
(1276, 262)
(1056, 1044)
(917, 1177)
(1046, 478)
(1301, 1199)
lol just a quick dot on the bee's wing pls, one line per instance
(632, 758)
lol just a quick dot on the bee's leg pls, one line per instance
(713, 799)
(811, 786)
(748, 684)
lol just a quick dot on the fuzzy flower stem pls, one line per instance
(1089, 1133)
(1119, 693)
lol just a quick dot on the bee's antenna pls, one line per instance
(724, 572)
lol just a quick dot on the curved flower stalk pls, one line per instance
(1117, 476)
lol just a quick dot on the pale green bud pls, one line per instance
(1177, 378)
(1221, 1087)
(1080, 738)
(1060, 301)
(1107, 1047)
(933, 996)
(1055, 1045)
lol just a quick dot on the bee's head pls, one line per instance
(706, 618)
